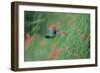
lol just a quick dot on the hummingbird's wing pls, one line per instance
(50, 33)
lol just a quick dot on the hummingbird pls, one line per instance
(52, 31)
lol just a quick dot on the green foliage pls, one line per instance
(34, 22)
(74, 45)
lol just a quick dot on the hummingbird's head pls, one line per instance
(53, 26)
